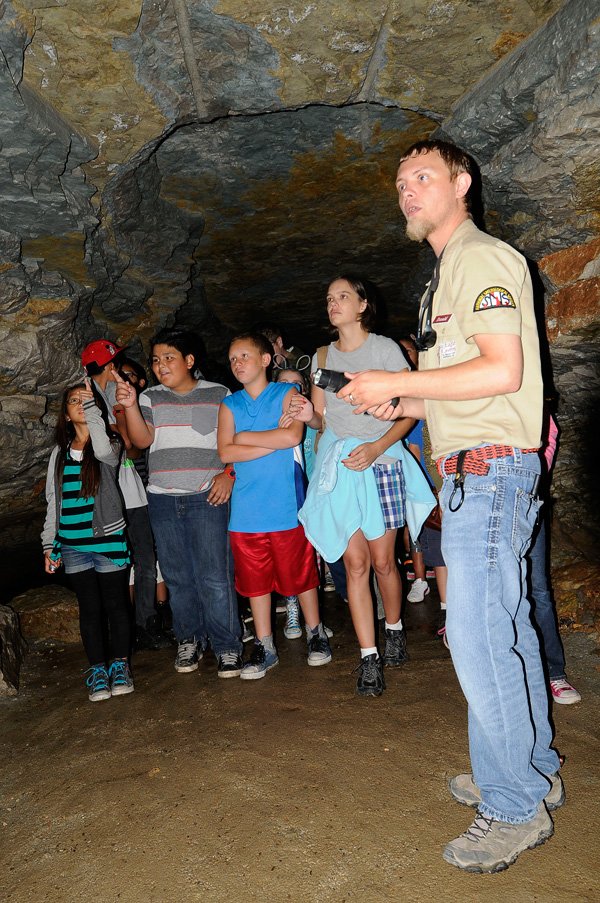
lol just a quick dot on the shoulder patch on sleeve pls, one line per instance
(494, 297)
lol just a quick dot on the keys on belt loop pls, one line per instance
(459, 481)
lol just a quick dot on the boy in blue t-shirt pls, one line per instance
(270, 549)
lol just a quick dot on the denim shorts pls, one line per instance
(76, 561)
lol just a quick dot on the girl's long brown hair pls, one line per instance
(65, 433)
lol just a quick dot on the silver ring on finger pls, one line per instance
(351, 397)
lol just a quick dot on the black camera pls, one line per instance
(333, 381)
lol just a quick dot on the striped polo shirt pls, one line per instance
(76, 515)
(183, 456)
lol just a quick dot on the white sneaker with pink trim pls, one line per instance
(563, 692)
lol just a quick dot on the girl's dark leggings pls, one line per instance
(102, 598)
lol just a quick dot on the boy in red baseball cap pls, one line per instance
(101, 360)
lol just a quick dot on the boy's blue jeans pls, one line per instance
(195, 559)
(494, 646)
(544, 612)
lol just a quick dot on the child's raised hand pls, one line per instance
(86, 394)
(125, 394)
(300, 408)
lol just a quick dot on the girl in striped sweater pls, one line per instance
(84, 530)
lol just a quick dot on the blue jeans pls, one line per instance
(544, 613)
(494, 646)
(141, 541)
(338, 572)
(196, 562)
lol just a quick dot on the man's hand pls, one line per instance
(388, 411)
(361, 457)
(370, 389)
(126, 395)
(220, 491)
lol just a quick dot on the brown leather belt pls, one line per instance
(476, 459)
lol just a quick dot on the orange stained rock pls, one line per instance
(567, 266)
(573, 307)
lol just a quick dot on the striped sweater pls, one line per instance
(75, 525)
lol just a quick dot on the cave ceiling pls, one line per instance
(216, 162)
(242, 152)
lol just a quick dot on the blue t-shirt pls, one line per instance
(415, 436)
(264, 498)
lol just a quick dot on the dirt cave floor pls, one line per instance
(288, 788)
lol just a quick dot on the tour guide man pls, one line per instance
(479, 387)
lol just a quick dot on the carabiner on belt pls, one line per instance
(459, 481)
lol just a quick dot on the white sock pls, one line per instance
(372, 650)
(396, 626)
(443, 606)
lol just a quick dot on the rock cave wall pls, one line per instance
(215, 162)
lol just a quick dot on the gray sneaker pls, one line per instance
(98, 683)
(464, 790)
(491, 846)
(121, 681)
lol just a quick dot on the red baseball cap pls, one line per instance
(100, 352)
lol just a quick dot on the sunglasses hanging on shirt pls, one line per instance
(426, 336)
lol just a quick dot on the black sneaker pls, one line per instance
(247, 632)
(151, 636)
(188, 656)
(260, 661)
(229, 664)
(371, 681)
(394, 653)
(319, 650)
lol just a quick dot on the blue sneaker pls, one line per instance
(121, 681)
(261, 661)
(292, 629)
(98, 683)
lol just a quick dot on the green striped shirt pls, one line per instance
(75, 523)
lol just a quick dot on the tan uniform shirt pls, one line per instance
(485, 289)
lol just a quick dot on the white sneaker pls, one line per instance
(563, 692)
(420, 589)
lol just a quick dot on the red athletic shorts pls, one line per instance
(283, 562)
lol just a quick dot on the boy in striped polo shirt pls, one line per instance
(188, 495)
